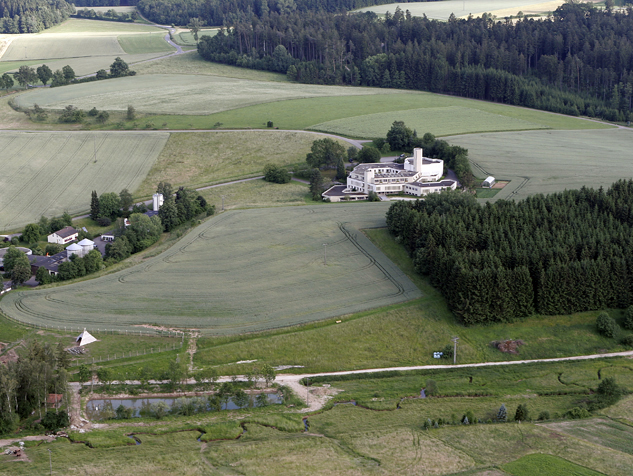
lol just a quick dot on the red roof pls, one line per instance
(54, 398)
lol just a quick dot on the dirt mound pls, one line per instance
(508, 346)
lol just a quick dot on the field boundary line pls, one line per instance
(294, 377)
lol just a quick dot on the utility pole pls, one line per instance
(308, 391)
(222, 202)
(324, 253)
(455, 339)
(50, 460)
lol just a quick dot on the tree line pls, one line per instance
(104, 3)
(25, 385)
(227, 12)
(32, 16)
(578, 61)
(557, 254)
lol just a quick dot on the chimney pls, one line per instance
(417, 159)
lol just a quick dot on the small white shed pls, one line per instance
(489, 182)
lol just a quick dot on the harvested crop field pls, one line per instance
(436, 120)
(442, 10)
(550, 161)
(46, 173)
(245, 270)
(180, 94)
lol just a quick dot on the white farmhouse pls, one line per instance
(63, 236)
(418, 176)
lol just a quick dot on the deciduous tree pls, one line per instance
(325, 153)
(44, 73)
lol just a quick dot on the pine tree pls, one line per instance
(168, 213)
(316, 184)
(94, 206)
(340, 170)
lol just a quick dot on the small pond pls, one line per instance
(98, 409)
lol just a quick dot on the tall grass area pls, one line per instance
(201, 158)
(544, 465)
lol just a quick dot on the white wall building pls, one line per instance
(418, 175)
(63, 236)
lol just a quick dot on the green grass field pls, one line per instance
(192, 63)
(200, 158)
(241, 275)
(180, 94)
(291, 114)
(50, 172)
(258, 194)
(185, 38)
(347, 441)
(85, 45)
(607, 433)
(143, 44)
(545, 465)
(52, 46)
(550, 161)
(440, 121)
(461, 8)
(76, 25)
(405, 334)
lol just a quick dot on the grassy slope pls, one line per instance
(291, 114)
(192, 63)
(562, 159)
(61, 170)
(196, 159)
(405, 334)
(544, 465)
(149, 43)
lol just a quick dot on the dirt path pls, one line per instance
(10, 441)
(316, 401)
(191, 349)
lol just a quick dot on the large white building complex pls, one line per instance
(418, 176)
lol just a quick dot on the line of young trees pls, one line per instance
(557, 254)
(110, 15)
(32, 16)
(25, 385)
(579, 61)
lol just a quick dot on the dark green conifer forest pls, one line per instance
(556, 254)
(578, 62)
(32, 16)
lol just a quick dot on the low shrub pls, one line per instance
(606, 325)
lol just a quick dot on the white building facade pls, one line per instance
(418, 175)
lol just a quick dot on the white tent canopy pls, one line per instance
(85, 338)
